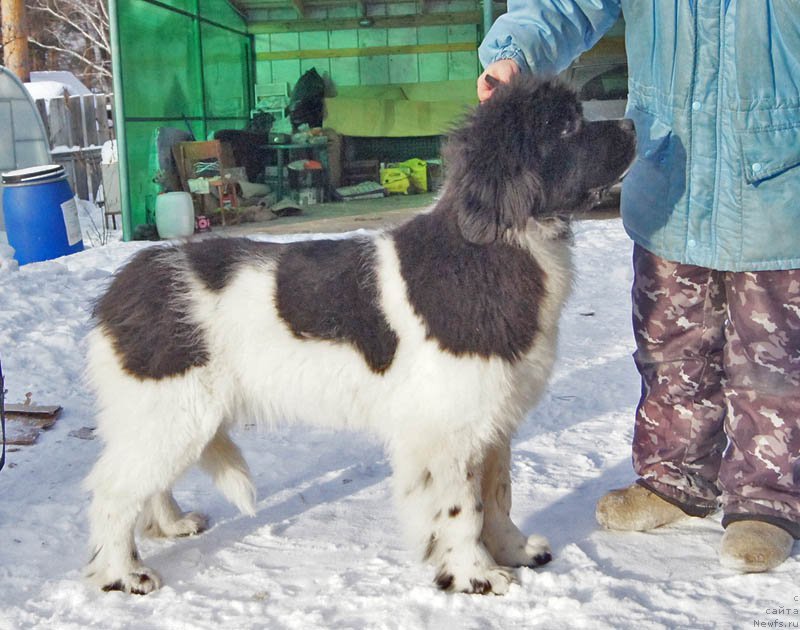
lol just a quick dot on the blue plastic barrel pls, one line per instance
(41, 214)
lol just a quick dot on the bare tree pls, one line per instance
(73, 35)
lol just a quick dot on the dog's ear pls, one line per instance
(493, 162)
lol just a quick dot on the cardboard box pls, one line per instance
(187, 154)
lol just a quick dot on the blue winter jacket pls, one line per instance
(714, 91)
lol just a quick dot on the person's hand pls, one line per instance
(501, 70)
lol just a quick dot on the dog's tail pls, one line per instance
(223, 460)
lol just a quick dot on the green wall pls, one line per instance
(178, 63)
(375, 70)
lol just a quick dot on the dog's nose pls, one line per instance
(626, 124)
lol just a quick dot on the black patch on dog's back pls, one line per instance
(216, 260)
(474, 299)
(145, 315)
(327, 290)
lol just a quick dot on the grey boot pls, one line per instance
(754, 546)
(637, 509)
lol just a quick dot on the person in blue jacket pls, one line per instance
(712, 204)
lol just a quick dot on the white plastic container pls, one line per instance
(174, 215)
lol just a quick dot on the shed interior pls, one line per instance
(396, 75)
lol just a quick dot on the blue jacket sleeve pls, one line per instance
(545, 36)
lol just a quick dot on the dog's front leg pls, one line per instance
(438, 492)
(509, 546)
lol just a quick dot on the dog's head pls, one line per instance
(528, 152)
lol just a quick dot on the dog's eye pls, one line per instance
(571, 128)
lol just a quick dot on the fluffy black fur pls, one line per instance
(474, 299)
(144, 313)
(216, 260)
(501, 172)
(326, 290)
(476, 289)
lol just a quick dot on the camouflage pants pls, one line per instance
(719, 415)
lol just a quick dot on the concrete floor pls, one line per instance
(340, 216)
(370, 214)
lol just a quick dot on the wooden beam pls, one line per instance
(14, 30)
(370, 51)
(392, 21)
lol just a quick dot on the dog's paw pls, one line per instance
(139, 582)
(535, 553)
(489, 581)
(519, 551)
(189, 524)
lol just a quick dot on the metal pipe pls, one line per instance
(488, 16)
(119, 124)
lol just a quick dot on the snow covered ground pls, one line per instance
(324, 549)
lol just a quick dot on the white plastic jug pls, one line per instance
(174, 215)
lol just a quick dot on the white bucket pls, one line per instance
(174, 215)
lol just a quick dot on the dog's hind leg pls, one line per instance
(439, 494)
(223, 460)
(162, 518)
(153, 432)
(509, 546)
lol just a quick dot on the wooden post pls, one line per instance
(15, 38)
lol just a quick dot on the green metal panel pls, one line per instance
(434, 67)
(345, 71)
(286, 71)
(222, 13)
(284, 41)
(161, 74)
(462, 65)
(347, 38)
(461, 33)
(372, 37)
(264, 73)
(432, 34)
(403, 68)
(374, 70)
(401, 36)
(176, 63)
(225, 73)
(313, 40)
(377, 69)
(263, 70)
(182, 5)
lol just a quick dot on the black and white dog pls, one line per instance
(438, 336)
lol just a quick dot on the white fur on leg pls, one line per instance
(162, 518)
(439, 497)
(153, 431)
(115, 564)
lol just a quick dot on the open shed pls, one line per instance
(397, 73)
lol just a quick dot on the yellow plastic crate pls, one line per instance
(395, 180)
